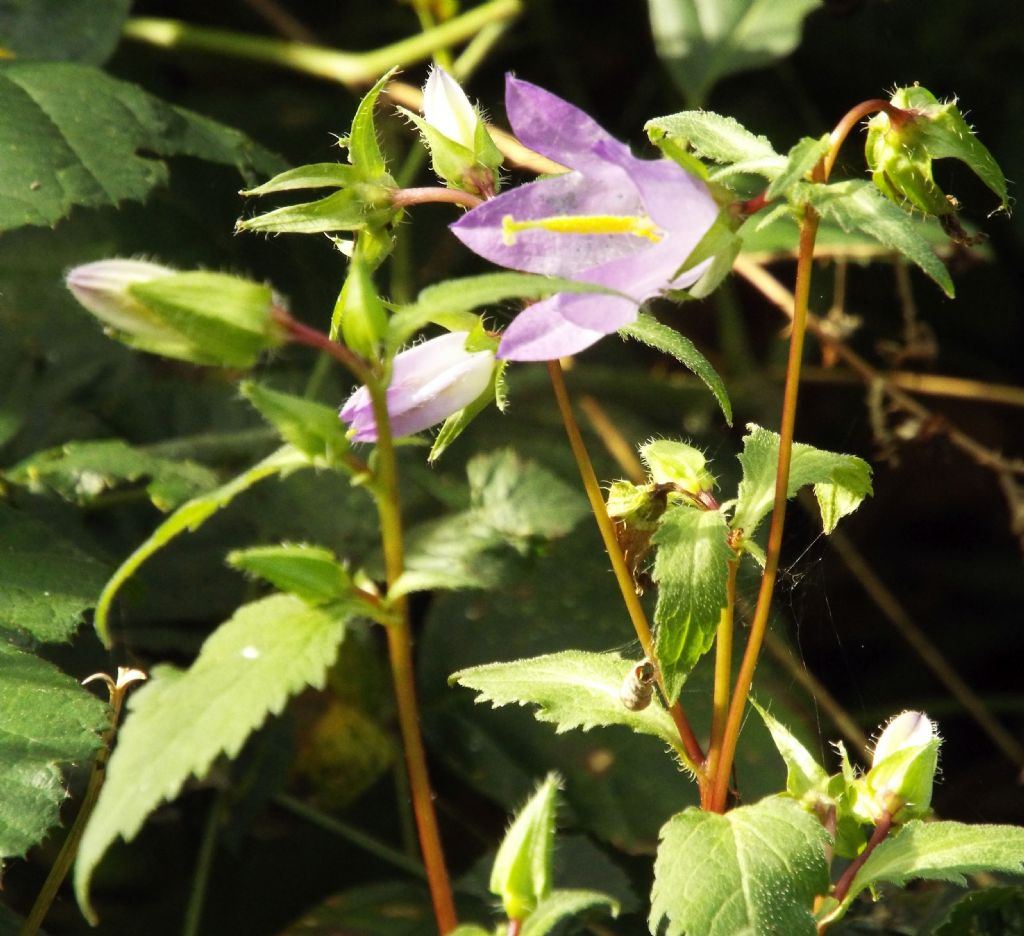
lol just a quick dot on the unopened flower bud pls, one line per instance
(677, 464)
(429, 383)
(197, 316)
(902, 770)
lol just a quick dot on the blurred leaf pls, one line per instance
(859, 206)
(188, 518)
(182, 720)
(995, 911)
(572, 689)
(310, 572)
(702, 41)
(311, 427)
(939, 851)
(757, 869)
(370, 910)
(648, 330)
(719, 139)
(691, 569)
(73, 135)
(840, 482)
(565, 903)
(46, 719)
(82, 472)
(48, 582)
(59, 30)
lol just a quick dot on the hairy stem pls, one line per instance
(720, 780)
(625, 581)
(348, 68)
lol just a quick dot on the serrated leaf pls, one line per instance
(72, 136)
(702, 41)
(189, 517)
(859, 206)
(654, 334)
(449, 303)
(560, 904)
(314, 175)
(756, 870)
(314, 429)
(800, 160)
(840, 482)
(82, 472)
(181, 721)
(939, 851)
(46, 719)
(572, 689)
(804, 773)
(55, 30)
(310, 572)
(691, 569)
(720, 139)
(48, 581)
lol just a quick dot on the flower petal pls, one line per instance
(553, 127)
(542, 333)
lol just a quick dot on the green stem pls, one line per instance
(693, 753)
(204, 865)
(734, 719)
(357, 837)
(400, 655)
(348, 68)
(66, 855)
(723, 672)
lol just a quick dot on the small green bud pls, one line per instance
(903, 141)
(201, 317)
(902, 771)
(462, 151)
(360, 312)
(521, 875)
(678, 464)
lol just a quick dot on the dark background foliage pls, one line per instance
(939, 531)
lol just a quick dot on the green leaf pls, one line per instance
(720, 139)
(755, 870)
(654, 334)
(314, 175)
(572, 689)
(56, 30)
(181, 721)
(363, 147)
(804, 774)
(72, 136)
(46, 719)
(702, 41)
(560, 904)
(311, 572)
(314, 429)
(448, 303)
(691, 569)
(939, 851)
(83, 472)
(189, 517)
(859, 206)
(994, 911)
(339, 211)
(800, 160)
(840, 482)
(48, 582)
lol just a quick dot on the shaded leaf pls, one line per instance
(56, 30)
(755, 870)
(46, 719)
(654, 334)
(560, 904)
(572, 689)
(691, 569)
(314, 429)
(48, 581)
(72, 136)
(181, 721)
(995, 911)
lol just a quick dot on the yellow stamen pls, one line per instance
(637, 225)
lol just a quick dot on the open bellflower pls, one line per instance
(615, 220)
(429, 382)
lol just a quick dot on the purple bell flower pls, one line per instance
(429, 382)
(615, 220)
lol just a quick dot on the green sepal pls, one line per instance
(677, 463)
(364, 150)
(722, 246)
(314, 175)
(361, 205)
(314, 429)
(220, 319)
(521, 875)
(459, 166)
(359, 313)
(456, 424)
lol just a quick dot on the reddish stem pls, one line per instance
(844, 883)
(403, 198)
